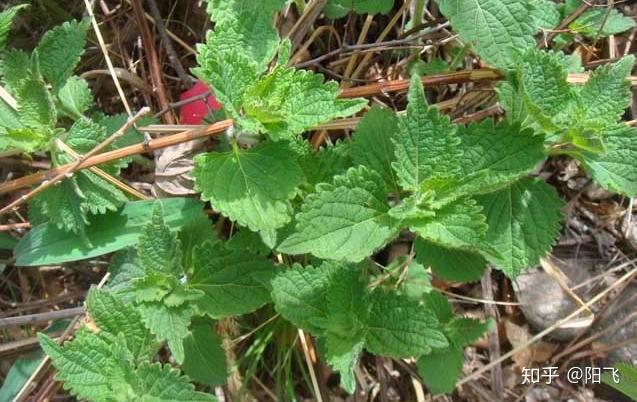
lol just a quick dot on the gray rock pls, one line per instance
(544, 302)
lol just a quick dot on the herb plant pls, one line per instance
(465, 195)
(55, 108)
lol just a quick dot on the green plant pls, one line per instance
(55, 108)
(465, 194)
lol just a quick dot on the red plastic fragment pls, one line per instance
(194, 112)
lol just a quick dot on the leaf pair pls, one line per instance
(423, 173)
(334, 303)
(581, 122)
(170, 288)
(114, 362)
(281, 103)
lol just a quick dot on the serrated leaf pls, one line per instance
(614, 169)
(230, 76)
(546, 13)
(14, 68)
(494, 27)
(458, 225)
(495, 155)
(205, 359)
(607, 93)
(6, 20)
(400, 327)
(113, 316)
(75, 97)
(26, 139)
(233, 282)
(156, 382)
(450, 264)
(344, 360)
(84, 365)
(288, 102)
(60, 50)
(345, 221)
(159, 249)
(299, 295)
(417, 282)
(36, 107)
(426, 144)
(542, 80)
(327, 162)
(439, 305)
(524, 219)
(463, 331)
(9, 119)
(340, 8)
(169, 323)
(598, 22)
(245, 26)
(251, 187)
(440, 369)
(63, 206)
(373, 145)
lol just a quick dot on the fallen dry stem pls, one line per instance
(110, 156)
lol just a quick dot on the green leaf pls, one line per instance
(60, 50)
(156, 382)
(251, 187)
(494, 27)
(114, 316)
(464, 331)
(85, 365)
(601, 22)
(233, 282)
(205, 359)
(399, 327)
(614, 169)
(14, 67)
(441, 369)
(6, 20)
(373, 146)
(327, 162)
(244, 26)
(542, 79)
(344, 360)
(26, 139)
(627, 380)
(47, 245)
(9, 118)
(158, 249)
(417, 282)
(345, 221)
(299, 295)
(288, 102)
(496, 155)
(546, 13)
(36, 107)
(64, 206)
(426, 144)
(458, 225)
(7, 242)
(524, 220)
(20, 372)
(75, 97)
(230, 76)
(169, 323)
(450, 264)
(607, 93)
(439, 306)
(340, 8)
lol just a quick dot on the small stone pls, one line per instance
(544, 302)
